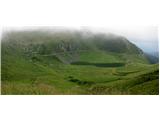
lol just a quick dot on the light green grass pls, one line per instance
(25, 77)
(28, 66)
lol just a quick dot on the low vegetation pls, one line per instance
(71, 63)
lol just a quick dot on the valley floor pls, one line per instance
(74, 63)
(83, 79)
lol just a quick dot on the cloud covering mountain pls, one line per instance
(145, 37)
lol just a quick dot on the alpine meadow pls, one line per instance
(75, 62)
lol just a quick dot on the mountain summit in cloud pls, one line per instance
(75, 61)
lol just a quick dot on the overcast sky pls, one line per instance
(144, 37)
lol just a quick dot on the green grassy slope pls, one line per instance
(71, 63)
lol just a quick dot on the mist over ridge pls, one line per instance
(145, 38)
(75, 61)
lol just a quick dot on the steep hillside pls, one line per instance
(70, 46)
(74, 62)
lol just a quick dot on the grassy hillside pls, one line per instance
(65, 62)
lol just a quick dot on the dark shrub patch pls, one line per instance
(100, 64)
(79, 82)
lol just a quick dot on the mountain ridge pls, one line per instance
(42, 62)
(70, 43)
